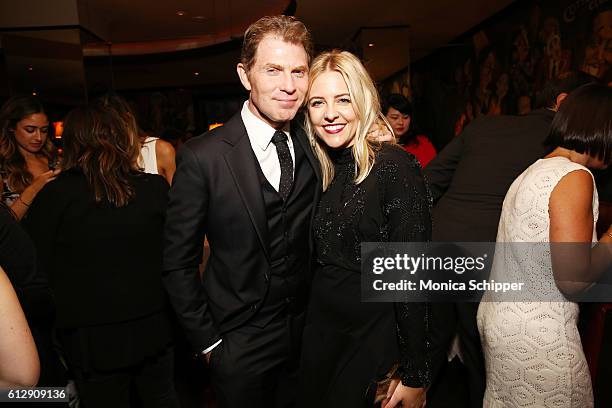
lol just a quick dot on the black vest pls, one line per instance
(289, 221)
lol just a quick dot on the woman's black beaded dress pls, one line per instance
(349, 344)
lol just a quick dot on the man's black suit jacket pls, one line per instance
(472, 174)
(216, 192)
(469, 180)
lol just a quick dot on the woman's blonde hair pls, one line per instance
(365, 103)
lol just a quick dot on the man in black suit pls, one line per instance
(469, 180)
(250, 187)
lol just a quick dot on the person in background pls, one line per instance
(27, 156)
(469, 179)
(372, 192)
(156, 156)
(554, 200)
(98, 233)
(18, 259)
(398, 111)
(19, 366)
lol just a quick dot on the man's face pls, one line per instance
(277, 80)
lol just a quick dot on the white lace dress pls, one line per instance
(533, 353)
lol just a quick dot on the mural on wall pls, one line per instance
(502, 66)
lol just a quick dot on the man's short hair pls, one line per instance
(566, 83)
(287, 28)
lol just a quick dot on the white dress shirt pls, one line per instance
(260, 135)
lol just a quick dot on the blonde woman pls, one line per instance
(371, 193)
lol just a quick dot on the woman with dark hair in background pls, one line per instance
(27, 156)
(398, 111)
(156, 156)
(554, 200)
(98, 232)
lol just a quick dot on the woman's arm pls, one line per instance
(407, 205)
(24, 201)
(19, 364)
(166, 165)
(570, 209)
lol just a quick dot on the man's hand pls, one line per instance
(207, 357)
(379, 132)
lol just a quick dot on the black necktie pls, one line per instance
(286, 163)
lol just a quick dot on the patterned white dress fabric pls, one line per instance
(533, 353)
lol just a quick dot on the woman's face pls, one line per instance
(331, 110)
(399, 121)
(31, 133)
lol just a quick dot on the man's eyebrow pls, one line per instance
(301, 68)
(271, 65)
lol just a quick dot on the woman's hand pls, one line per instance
(399, 395)
(23, 202)
(38, 183)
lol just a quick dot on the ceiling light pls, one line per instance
(196, 73)
(199, 19)
(30, 68)
(180, 13)
(34, 93)
(370, 44)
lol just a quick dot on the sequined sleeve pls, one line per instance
(407, 206)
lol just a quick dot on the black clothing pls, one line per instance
(104, 263)
(105, 389)
(216, 192)
(257, 363)
(17, 254)
(469, 180)
(286, 164)
(257, 276)
(18, 259)
(470, 177)
(104, 266)
(348, 344)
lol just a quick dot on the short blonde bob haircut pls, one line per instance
(365, 103)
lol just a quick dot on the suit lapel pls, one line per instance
(242, 164)
(299, 135)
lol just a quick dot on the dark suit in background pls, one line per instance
(469, 180)
(253, 291)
